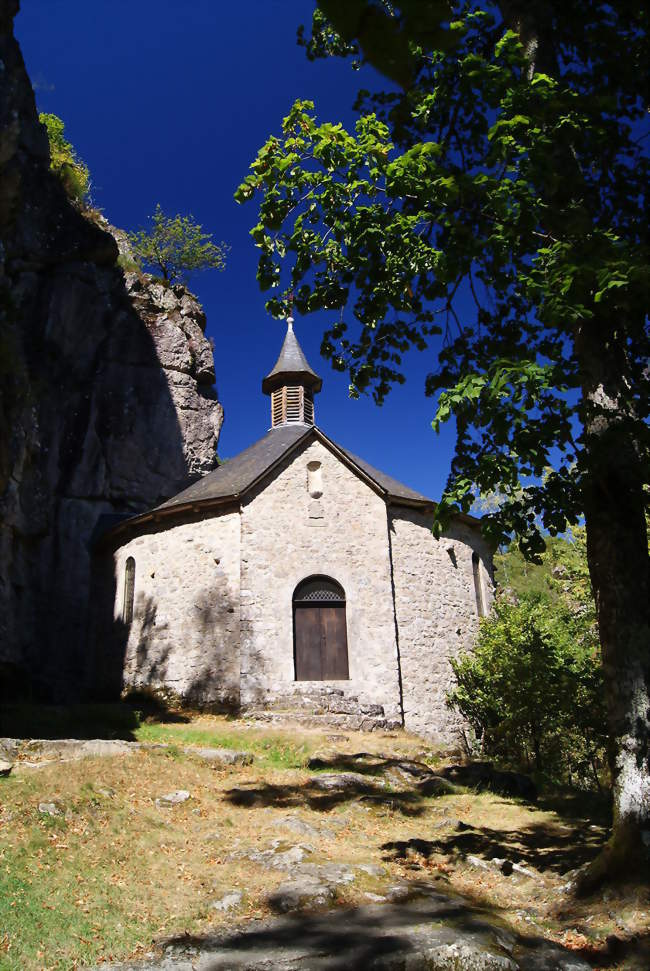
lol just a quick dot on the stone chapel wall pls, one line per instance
(288, 535)
(184, 635)
(436, 611)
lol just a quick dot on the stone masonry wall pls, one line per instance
(184, 637)
(436, 611)
(288, 535)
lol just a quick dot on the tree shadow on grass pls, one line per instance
(542, 846)
(313, 796)
(631, 952)
(368, 763)
(402, 785)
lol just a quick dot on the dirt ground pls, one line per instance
(96, 866)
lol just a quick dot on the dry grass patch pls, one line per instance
(114, 872)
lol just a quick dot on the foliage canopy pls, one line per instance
(519, 186)
(176, 246)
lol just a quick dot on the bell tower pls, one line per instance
(291, 384)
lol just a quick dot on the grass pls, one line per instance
(139, 723)
(114, 873)
(273, 749)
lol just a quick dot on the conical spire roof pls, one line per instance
(291, 366)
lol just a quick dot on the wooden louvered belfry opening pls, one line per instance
(292, 404)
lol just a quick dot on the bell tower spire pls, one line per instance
(291, 384)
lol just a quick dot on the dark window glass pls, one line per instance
(129, 590)
(478, 586)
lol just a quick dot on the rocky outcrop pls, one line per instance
(107, 399)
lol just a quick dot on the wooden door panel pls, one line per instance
(334, 645)
(308, 643)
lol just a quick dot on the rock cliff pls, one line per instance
(107, 398)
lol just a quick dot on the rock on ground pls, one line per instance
(433, 932)
(342, 781)
(228, 902)
(303, 828)
(49, 809)
(221, 756)
(304, 891)
(173, 798)
(71, 748)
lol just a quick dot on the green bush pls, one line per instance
(532, 689)
(64, 161)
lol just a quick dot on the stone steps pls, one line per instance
(356, 723)
(329, 708)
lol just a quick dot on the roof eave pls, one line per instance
(167, 512)
(431, 505)
(306, 378)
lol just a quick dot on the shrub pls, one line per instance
(64, 161)
(532, 689)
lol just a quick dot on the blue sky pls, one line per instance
(168, 102)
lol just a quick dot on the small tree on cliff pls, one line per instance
(64, 161)
(175, 246)
(508, 164)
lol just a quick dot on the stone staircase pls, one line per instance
(322, 707)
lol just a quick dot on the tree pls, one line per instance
(506, 163)
(176, 245)
(64, 161)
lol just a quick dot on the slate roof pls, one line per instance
(291, 365)
(237, 474)
(232, 480)
(394, 489)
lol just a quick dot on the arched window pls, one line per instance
(478, 585)
(129, 591)
(320, 637)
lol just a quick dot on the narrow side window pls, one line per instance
(129, 591)
(478, 586)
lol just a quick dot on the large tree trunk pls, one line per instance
(619, 565)
(615, 476)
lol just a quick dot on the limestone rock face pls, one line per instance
(107, 403)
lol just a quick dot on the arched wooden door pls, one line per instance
(319, 631)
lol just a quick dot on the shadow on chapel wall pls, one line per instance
(193, 664)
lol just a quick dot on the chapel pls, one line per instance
(295, 576)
